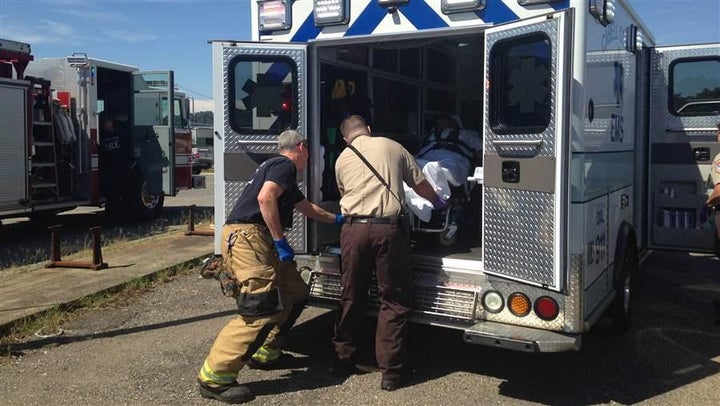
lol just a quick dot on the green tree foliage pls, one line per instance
(201, 118)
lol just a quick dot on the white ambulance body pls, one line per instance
(597, 145)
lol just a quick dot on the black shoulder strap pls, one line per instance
(375, 172)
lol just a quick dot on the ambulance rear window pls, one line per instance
(263, 94)
(695, 87)
(520, 80)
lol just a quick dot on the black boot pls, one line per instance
(233, 393)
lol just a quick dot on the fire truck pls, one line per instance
(51, 112)
(596, 146)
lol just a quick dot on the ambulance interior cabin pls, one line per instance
(401, 87)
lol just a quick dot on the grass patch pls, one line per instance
(49, 322)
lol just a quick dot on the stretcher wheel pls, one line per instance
(448, 237)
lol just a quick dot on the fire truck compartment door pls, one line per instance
(684, 114)
(264, 93)
(525, 190)
(153, 135)
(13, 143)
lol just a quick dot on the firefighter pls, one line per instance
(115, 168)
(257, 255)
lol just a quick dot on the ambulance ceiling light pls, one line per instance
(274, 15)
(461, 6)
(331, 12)
(603, 10)
(391, 5)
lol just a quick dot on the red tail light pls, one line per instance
(546, 308)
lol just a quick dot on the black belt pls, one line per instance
(371, 220)
(237, 222)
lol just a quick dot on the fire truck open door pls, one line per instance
(525, 193)
(153, 129)
(263, 93)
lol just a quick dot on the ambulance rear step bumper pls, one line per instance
(519, 338)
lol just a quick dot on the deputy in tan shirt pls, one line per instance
(375, 237)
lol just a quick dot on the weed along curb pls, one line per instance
(33, 298)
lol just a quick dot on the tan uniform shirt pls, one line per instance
(715, 171)
(362, 192)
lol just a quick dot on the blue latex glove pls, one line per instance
(284, 250)
(339, 218)
(440, 203)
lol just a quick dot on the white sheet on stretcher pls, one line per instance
(442, 168)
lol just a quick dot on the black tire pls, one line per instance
(196, 171)
(149, 206)
(626, 265)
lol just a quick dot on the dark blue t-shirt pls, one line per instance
(280, 170)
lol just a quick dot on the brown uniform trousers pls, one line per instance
(271, 297)
(384, 248)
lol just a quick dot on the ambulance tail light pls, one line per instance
(546, 308)
(492, 301)
(519, 304)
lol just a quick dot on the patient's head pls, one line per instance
(444, 122)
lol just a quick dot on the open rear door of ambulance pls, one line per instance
(684, 117)
(525, 204)
(259, 91)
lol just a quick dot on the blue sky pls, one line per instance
(173, 34)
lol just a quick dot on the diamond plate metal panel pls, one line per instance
(531, 320)
(547, 149)
(231, 137)
(264, 143)
(662, 119)
(574, 299)
(518, 229)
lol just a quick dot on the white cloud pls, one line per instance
(94, 17)
(130, 36)
(44, 31)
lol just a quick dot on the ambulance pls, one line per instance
(596, 147)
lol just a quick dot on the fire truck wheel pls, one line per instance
(622, 308)
(150, 205)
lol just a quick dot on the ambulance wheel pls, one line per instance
(626, 265)
(149, 205)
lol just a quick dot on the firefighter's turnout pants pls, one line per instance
(271, 295)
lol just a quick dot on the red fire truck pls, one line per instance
(51, 111)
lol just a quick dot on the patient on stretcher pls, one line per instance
(447, 157)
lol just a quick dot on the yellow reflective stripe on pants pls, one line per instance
(207, 375)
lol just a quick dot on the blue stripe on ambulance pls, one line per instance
(422, 16)
(367, 21)
(496, 12)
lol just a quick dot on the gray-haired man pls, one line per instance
(270, 294)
